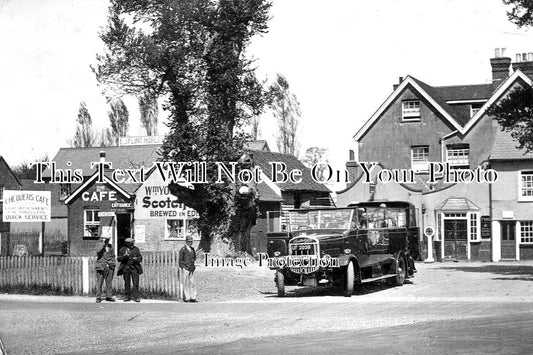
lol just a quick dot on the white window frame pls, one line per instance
(184, 229)
(92, 223)
(529, 230)
(521, 197)
(61, 196)
(474, 227)
(455, 156)
(411, 110)
(419, 165)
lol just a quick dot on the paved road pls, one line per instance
(451, 309)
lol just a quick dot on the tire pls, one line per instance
(349, 279)
(280, 283)
(399, 268)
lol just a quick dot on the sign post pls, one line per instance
(429, 231)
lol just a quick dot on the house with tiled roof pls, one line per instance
(419, 126)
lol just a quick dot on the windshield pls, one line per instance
(320, 219)
(379, 217)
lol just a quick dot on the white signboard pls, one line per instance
(141, 140)
(26, 206)
(140, 233)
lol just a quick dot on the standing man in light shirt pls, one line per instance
(187, 257)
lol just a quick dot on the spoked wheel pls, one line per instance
(399, 268)
(349, 280)
(280, 283)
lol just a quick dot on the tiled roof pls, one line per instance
(457, 204)
(442, 94)
(465, 92)
(125, 157)
(506, 148)
(263, 160)
(267, 194)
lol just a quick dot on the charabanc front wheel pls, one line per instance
(280, 283)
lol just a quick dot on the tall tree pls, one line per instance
(149, 112)
(515, 115)
(84, 135)
(316, 156)
(286, 109)
(193, 53)
(521, 13)
(118, 119)
(514, 112)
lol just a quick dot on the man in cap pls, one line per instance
(130, 266)
(187, 257)
(105, 268)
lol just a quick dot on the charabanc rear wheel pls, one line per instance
(398, 266)
(349, 280)
(280, 283)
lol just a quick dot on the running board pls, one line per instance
(378, 278)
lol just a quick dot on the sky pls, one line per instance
(341, 58)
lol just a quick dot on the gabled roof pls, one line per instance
(257, 145)
(92, 180)
(506, 148)
(263, 160)
(125, 157)
(8, 169)
(439, 98)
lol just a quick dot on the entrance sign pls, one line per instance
(26, 206)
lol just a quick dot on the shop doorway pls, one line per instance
(508, 239)
(123, 228)
(455, 238)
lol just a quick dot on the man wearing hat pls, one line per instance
(130, 266)
(105, 268)
(187, 257)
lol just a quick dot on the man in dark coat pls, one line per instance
(105, 268)
(187, 257)
(130, 266)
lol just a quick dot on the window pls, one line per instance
(473, 232)
(457, 155)
(420, 158)
(526, 186)
(64, 191)
(411, 110)
(91, 222)
(474, 108)
(526, 232)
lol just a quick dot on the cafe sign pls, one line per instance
(26, 206)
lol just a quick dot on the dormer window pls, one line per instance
(474, 108)
(411, 110)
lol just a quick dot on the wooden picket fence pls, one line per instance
(76, 275)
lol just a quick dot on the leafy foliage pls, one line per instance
(84, 135)
(149, 112)
(521, 13)
(119, 120)
(191, 52)
(26, 170)
(286, 109)
(515, 114)
(314, 156)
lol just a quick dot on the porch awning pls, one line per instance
(457, 204)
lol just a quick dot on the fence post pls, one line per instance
(85, 274)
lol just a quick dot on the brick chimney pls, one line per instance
(524, 62)
(500, 66)
(395, 86)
